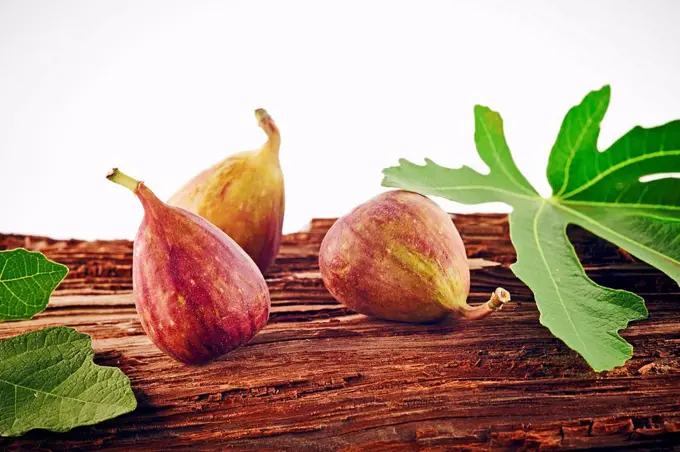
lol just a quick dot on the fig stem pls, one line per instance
(123, 179)
(267, 124)
(498, 299)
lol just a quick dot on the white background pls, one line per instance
(164, 89)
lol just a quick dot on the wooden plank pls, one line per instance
(320, 377)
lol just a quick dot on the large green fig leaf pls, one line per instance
(48, 380)
(27, 280)
(599, 191)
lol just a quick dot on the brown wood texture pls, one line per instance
(320, 377)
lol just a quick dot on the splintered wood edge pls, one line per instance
(477, 264)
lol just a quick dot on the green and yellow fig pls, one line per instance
(198, 294)
(243, 195)
(400, 257)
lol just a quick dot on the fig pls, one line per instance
(243, 195)
(400, 257)
(198, 294)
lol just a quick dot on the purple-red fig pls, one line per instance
(400, 257)
(198, 294)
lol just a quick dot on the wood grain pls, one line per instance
(320, 377)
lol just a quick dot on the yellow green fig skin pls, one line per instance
(197, 293)
(243, 196)
(397, 257)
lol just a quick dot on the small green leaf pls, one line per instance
(599, 191)
(27, 280)
(48, 380)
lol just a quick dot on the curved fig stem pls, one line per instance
(267, 124)
(498, 298)
(123, 179)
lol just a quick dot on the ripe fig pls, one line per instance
(198, 294)
(400, 257)
(243, 195)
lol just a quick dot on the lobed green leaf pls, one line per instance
(599, 191)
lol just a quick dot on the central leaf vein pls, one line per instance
(552, 278)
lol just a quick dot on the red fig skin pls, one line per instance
(198, 294)
(400, 257)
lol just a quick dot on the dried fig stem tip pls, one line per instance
(267, 124)
(262, 115)
(498, 298)
(123, 179)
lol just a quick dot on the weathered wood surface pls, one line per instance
(320, 377)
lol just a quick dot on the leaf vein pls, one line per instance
(572, 152)
(615, 168)
(31, 276)
(500, 164)
(613, 232)
(56, 395)
(552, 279)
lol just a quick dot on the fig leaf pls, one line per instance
(48, 380)
(27, 280)
(599, 191)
